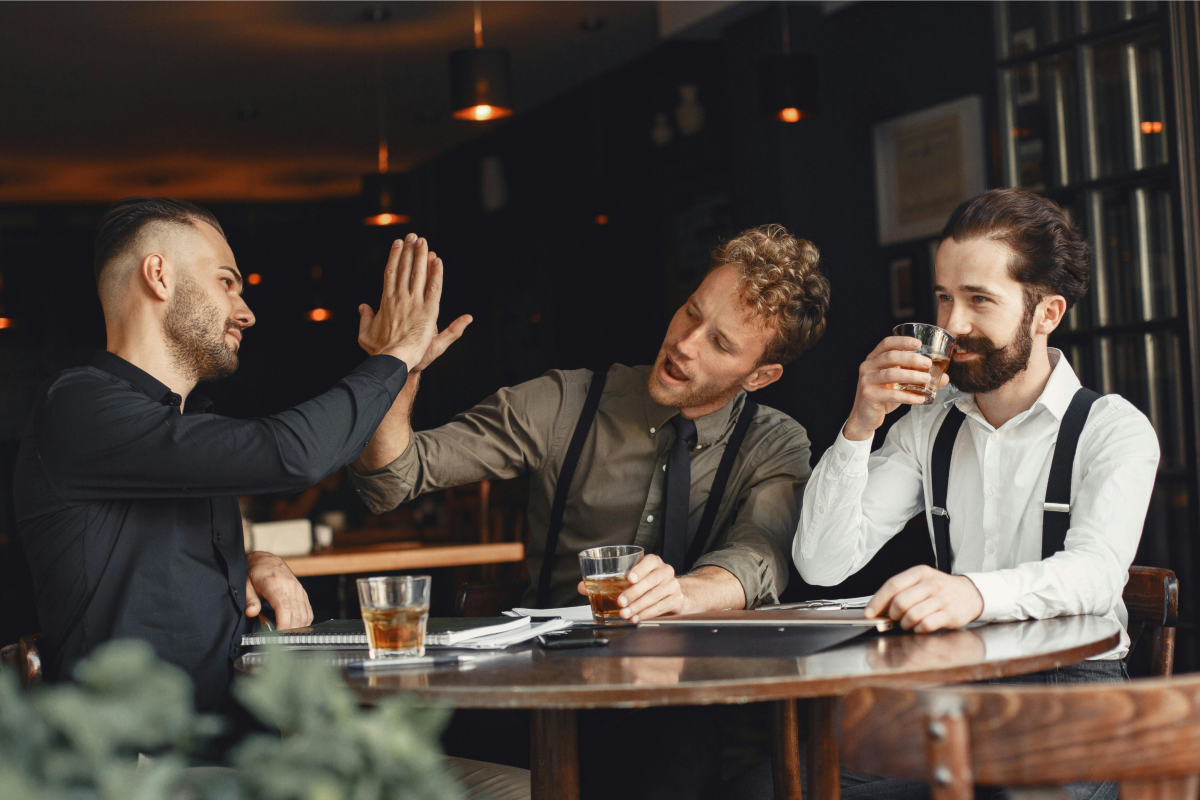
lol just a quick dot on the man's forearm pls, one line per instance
(394, 433)
(711, 589)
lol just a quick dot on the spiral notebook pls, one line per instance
(440, 631)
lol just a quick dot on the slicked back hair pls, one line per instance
(121, 224)
(1049, 255)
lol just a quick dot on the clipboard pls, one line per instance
(801, 617)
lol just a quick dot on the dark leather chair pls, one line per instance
(1152, 598)
(489, 599)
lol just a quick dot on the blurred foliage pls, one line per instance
(81, 740)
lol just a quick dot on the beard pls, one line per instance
(692, 394)
(197, 343)
(996, 366)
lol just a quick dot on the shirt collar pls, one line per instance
(709, 428)
(1055, 398)
(146, 383)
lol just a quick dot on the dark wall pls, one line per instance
(548, 286)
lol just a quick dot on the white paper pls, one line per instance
(572, 613)
(500, 641)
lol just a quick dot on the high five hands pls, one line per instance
(406, 324)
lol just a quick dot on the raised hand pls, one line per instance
(891, 362)
(406, 323)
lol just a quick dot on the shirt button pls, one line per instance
(991, 491)
(699, 446)
(995, 436)
(652, 430)
(664, 467)
(842, 456)
(820, 509)
(991, 547)
(649, 518)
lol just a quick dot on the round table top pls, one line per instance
(535, 678)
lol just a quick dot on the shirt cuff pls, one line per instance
(389, 370)
(388, 487)
(849, 457)
(999, 599)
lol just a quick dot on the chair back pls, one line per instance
(1144, 734)
(489, 599)
(1152, 599)
(25, 656)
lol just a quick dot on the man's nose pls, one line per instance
(243, 314)
(689, 344)
(957, 322)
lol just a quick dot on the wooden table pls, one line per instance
(555, 685)
(402, 556)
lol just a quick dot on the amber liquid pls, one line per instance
(935, 376)
(603, 591)
(396, 631)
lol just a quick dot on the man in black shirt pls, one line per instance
(126, 482)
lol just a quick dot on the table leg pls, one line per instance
(554, 756)
(786, 755)
(824, 763)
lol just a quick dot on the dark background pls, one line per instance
(547, 285)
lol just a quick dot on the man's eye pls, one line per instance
(720, 347)
(979, 299)
(942, 298)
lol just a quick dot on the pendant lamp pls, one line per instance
(480, 79)
(383, 192)
(788, 83)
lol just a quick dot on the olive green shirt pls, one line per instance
(617, 494)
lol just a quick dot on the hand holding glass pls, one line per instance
(604, 570)
(395, 610)
(936, 344)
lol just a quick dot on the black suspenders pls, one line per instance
(1056, 513)
(571, 462)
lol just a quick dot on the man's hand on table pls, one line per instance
(923, 599)
(655, 591)
(267, 577)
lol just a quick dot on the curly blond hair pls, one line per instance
(780, 281)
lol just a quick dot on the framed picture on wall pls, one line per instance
(926, 163)
(900, 272)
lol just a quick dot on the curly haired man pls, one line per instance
(656, 437)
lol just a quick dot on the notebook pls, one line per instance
(440, 631)
(771, 618)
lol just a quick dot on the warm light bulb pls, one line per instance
(791, 115)
(386, 219)
(7, 322)
(482, 113)
(1152, 127)
(320, 314)
(254, 279)
(601, 219)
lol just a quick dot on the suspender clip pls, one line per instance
(941, 512)
(1065, 508)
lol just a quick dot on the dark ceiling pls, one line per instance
(263, 100)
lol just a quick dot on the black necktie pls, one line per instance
(677, 492)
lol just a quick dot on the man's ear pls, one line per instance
(1050, 314)
(762, 376)
(157, 276)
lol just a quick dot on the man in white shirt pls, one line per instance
(1009, 267)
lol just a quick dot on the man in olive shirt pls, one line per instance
(762, 303)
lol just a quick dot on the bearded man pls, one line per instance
(126, 483)
(649, 444)
(1011, 543)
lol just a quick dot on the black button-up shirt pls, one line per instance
(128, 509)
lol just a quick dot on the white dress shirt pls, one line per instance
(856, 501)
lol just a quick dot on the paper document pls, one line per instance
(821, 605)
(572, 613)
(500, 641)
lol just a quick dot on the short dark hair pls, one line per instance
(780, 280)
(1050, 256)
(123, 221)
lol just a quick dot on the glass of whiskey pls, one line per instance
(604, 570)
(395, 610)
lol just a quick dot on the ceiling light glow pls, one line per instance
(386, 219)
(320, 314)
(254, 279)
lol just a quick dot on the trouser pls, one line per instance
(639, 754)
(756, 783)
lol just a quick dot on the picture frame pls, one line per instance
(926, 163)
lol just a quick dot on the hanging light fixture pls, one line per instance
(479, 79)
(383, 186)
(788, 83)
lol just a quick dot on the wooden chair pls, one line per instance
(489, 599)
(24, 655)
(1152, 598)
(1145, 735)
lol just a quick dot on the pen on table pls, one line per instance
(408, 662)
